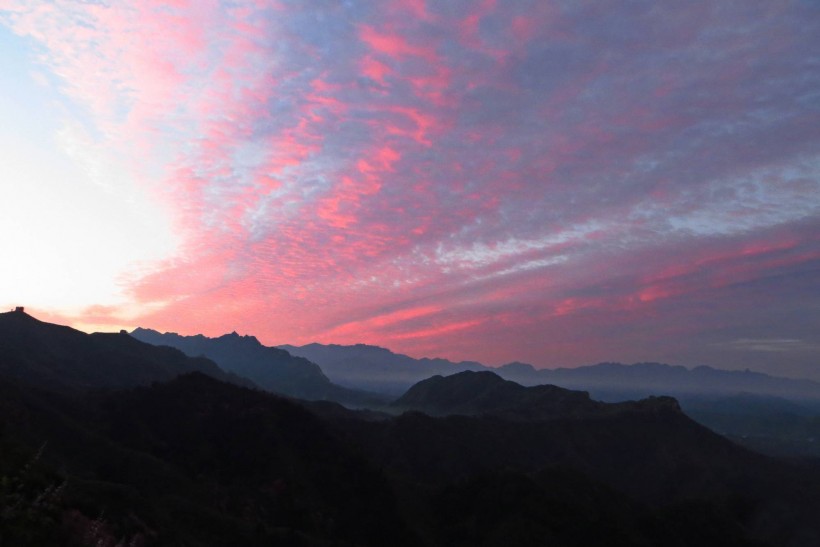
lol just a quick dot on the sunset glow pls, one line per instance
(558, 183)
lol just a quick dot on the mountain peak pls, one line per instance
(17, 314)
(232, 337)
(273, 369)
(485, 392)
(517, 367)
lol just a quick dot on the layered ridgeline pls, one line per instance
(96, 450)
(59, 357)
(270, 368)
(380, 369)
(197, 461)
(778, 416)
(374, 368)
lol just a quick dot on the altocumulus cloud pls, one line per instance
(554, 182)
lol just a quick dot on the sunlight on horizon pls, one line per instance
(74, 222)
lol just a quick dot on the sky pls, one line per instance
(554, 182)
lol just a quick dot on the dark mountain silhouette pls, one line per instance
(559, 506)
(486, 393)
(60, 357)
(262, 454)
(191, 462)
(270, 368)
(654, 455)
(199, 462)
(571, 430)
(376, 369)
(195, 461)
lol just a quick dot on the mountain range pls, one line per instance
(59, 357)
(106, 440)
(778, 416)
(374, 368)
(379, 369)
(270, 368)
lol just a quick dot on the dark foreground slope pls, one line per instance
(200, 462)
(191, 462)
(649, 452)
(59, 357)
(270, 368)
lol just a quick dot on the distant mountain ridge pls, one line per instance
(375, 368)
(379, 369)
(271, 368)
(641, 379)
(59, 357)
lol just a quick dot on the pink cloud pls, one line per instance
(410, 176)
(394, 45)
(375, 69)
